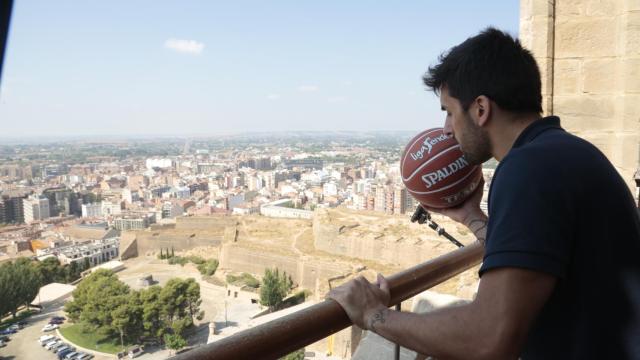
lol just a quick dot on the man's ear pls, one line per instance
(482, 110)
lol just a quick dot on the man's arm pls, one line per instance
(493, 326)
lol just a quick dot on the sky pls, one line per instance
(202, 68)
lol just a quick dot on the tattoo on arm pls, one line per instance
(483, 226)
(377, 318)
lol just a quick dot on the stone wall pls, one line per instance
(385, 247)
(589, 57)
(304, 271)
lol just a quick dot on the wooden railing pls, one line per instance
(297, 330)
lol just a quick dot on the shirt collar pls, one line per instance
(535, 128)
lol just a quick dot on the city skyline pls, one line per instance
(82, 69)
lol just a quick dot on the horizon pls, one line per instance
(87, 69)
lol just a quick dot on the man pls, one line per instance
(561, 272)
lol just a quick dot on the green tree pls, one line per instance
(152, 320)
(50, 270)
(172, 252)
(209, 267)
(7, 289)
(296, 355)
(175, 341)
(72, 271)
(26, 281)
(127, 317)
(180, 301)
(275, 286)
(95, 300)
(161, 254)
(86, 264)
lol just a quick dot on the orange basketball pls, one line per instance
(435, 171)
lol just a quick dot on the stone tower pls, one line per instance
(589, 57)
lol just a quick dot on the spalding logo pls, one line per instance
(462, 194)
(435, 177)
(427, 145)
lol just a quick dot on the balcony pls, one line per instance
(284, 335)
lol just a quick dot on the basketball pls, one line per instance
(435, 171)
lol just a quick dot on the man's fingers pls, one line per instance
(383, 283)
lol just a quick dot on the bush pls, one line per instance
(178, 260)
(296, 355)
(196, 259)
(246, 279)
(209, 267)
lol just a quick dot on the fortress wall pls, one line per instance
(180, 241)
(194, 223)
(404, 252)
(589, 57)
(304, 272)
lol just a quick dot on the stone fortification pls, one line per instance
(304, 271)
(391, 240)
(589, 57)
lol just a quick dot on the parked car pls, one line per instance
(15, 327)
(50, 344)
(2, 343)
(62, 318)
(22, 322)
(65, 352)
(57, 346)
(135, 351)
(63, 347)
(70, 355)
(5, 338)
(45, 339)
(56, 321)
(84, 357)
(8, 331)
(50, 327)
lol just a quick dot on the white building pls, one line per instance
(109, 208)
(96, 252)
(329, 189)
(159, 163)
(278, 209)
(35, 209)
(181, 192)
(92, 210)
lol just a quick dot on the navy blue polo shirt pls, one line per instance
(558, 206)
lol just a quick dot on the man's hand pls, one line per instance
(364, 302)
(467, 212)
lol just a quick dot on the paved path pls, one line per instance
(24, 344)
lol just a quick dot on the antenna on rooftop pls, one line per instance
(422, 216)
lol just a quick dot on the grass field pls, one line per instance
(90, 340)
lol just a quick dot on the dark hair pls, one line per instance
(492, 64)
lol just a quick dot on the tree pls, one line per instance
(50, 270)
(95, 300)
(180, 301)
(127, 317)
(275, 287)
(296, 355)
(152, 321)
(172, 252)
(209, 267)
(86, 264)
(26, 281)
(161, 254)
(175, 341)
(7, 289)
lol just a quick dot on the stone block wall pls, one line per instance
(589, 57)
(304, 271)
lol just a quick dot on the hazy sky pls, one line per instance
(204, 67)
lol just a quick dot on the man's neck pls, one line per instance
(507, 130)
